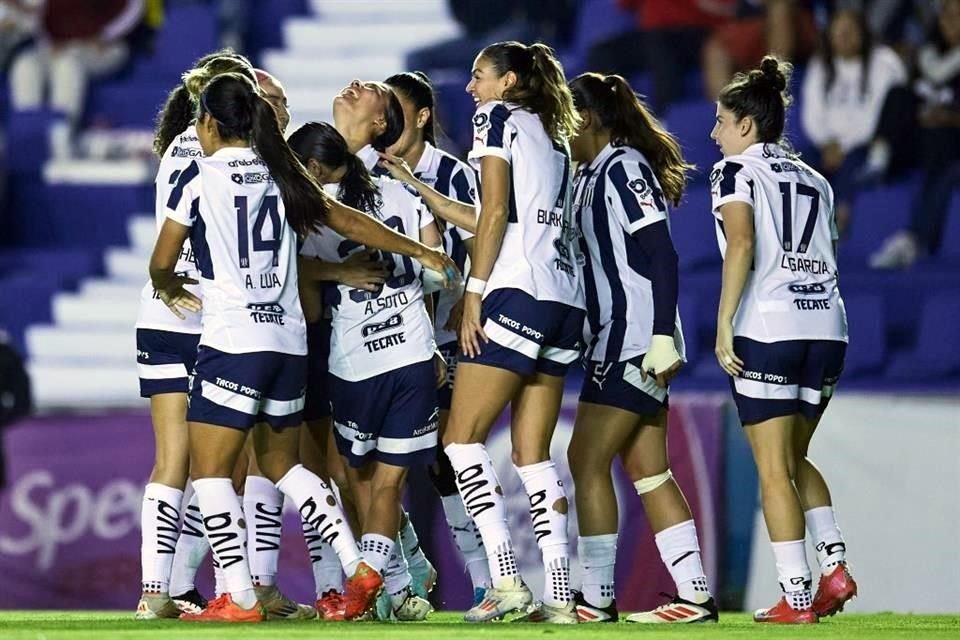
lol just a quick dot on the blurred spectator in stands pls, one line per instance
(18, 22)
(938, 90)
(483, 23)
(844, 94)
(666, 43)
(76, 40)
(784, 28)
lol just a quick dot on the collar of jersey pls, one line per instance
(765, 150)
(369, 157)
(232, 152)
(605, 153)
(426, 159)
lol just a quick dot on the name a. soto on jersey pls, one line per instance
(392, 301)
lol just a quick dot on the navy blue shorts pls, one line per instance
(620, 385)
(785, 378)
(528, 335)
(390, 418)
(317, 404)
(450, 353)
(241, 389)
(165, 360)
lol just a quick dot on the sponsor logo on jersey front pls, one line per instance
(378, 327)
(270, 313)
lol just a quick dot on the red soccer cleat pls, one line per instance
(224, 609)
(834, 590)
(330, 606)
(783, 613)
(361, 592)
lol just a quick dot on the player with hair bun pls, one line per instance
(781, 329)
(631, 168)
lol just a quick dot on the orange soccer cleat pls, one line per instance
(834, 590)
(361, 592)
(330, 606)
(224, 609)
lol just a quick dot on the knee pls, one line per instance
(524, 455)
(274, 467)
(776, 471)
(585, 463)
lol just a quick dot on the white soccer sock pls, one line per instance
(410, 543)
(224, 525)
(680, 552)
(598, 556)
(545, 490)
(396, 576)
(467, 538)
(263, 509)
(483, 498)
(219, 579)
(317, 505)
(327, 572)
(192, 548)
(160, 528)
(794, 573)
(376, 550)
(827, 540)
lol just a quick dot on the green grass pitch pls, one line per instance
(100, 625)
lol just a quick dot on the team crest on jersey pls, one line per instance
(480, 120)
(715, 176)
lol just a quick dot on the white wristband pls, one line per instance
(476, 285)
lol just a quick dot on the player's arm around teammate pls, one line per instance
(781, 328)
(630, 169)
(251, 362)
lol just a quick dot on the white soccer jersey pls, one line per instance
(792, 291)
(246, 253)
(153, 314)
(376, 332)
(615, 196)
(454, 179)
(538, 254)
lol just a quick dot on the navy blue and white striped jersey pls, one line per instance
(538, 253)
(792, 291)
(153, 314)
(376, 332)
(246, 253)
(454, 179)
(615, 196)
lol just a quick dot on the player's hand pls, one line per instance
(661, 360)
(728, 360)
(439, 261)
(176, 297)
(471, 331)
(456, 316)
(397, 167)
(440, 366)
(360, 271)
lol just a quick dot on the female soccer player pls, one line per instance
(437, 171)
(630, 170)
(522, 316)
(781, 328)
(250, 364)
(166, 352)
(382, 347)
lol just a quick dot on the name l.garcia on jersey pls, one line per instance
(805, 265)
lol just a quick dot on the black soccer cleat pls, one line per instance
(190, 602)
(586, 612)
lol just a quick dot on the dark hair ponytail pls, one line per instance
(761, 94)
(541, 87)
(233, 102)
(393, 114)
(416, 87)
(619, 109)
(180, 108)
(320, 141)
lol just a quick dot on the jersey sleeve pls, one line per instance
(183, 202)
(637, 198)
(464, 188)
(729, 182)
(493, 133)
(423, 212)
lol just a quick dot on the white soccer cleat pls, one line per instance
(280, 607)
(679, 611)
(413, 608)
(155, 606)
(546, 614)
(498, 602)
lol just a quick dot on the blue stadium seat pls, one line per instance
(867, 351)
(597, 20)
(950, 249)
(692, 227)
(936, 353)
(877, 214)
